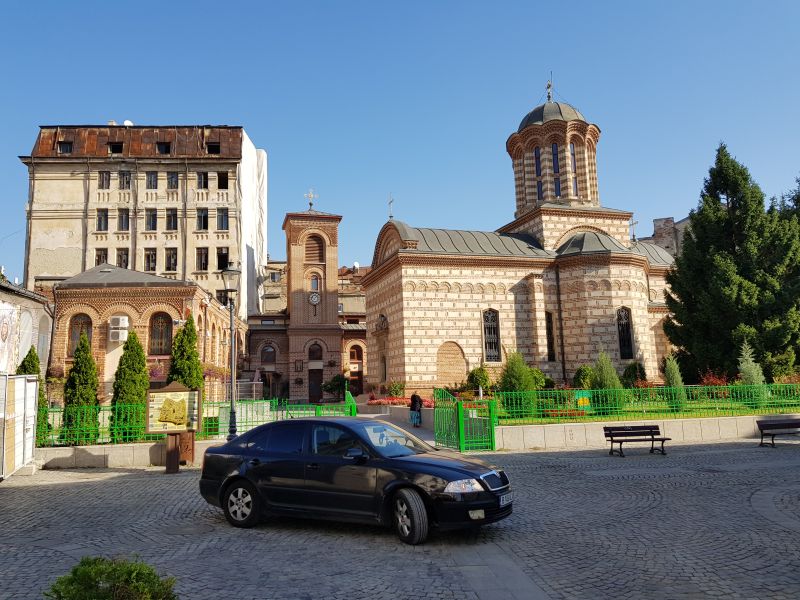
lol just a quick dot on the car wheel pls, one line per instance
(242, 504)
(410, 517)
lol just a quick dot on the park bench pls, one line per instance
(773, 427)
(635, 433)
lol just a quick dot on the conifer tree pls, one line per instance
(516, 375)
(607, 399)
(129, 400)
(30, 365)
(81, 424)
(676, 399)
(185, 367)
(737, 277)
(750, 372)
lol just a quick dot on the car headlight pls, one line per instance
(463, 486)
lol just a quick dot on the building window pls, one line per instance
(557, 184)
(115, 147)
(65, 147)
(150, 219)
(538, 156)
(575, 186)
(275, 277)
(268, 355)
(572, 157)
(202, 180)
(315, 352)
(222, 297)
(491, 335)
(163, 147)
(555, 158)
(78, 324)
(171, 259)
(172, 180)
(202, 219)
(384, 369)
(102, 219)
(315, 249)
(124, 180)
(625, 333)
(539, 191)
(100, 256)
(212, 147)
(314, 283)
(172, 219)
(160, 333)
(202, 259)
(222, 180)
(222, 219)
(122, 258)
(152, 180)
(123, 219)
(149, 259)
(551, 343)
(104, 180)
(341, 307)
(356, 353)
(222, 258)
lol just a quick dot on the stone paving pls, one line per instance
(718, 520)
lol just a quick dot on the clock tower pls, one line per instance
(315, 336)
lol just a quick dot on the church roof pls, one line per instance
(656, 255)
(106, 275)
(591, 242)
(472, 243)
(551, 111)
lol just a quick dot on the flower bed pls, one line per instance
(394, 401)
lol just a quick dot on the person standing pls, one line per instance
(415, 412)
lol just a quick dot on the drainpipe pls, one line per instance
(561, 325)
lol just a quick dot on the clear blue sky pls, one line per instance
(360, 99)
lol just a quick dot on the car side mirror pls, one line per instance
(356, 454)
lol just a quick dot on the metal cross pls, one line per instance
(391, 201)
(550, 88)
(310, 196)
(633, 225)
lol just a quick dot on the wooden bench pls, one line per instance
(635, 433)
(769, 427)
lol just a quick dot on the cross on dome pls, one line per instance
(311, 196)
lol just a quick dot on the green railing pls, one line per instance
(125, 423)
(463, 425)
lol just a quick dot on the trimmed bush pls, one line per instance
(610, 401)
(516, 375)
(538, 378)
(129, 400)
(30, 365)
(81, 424)
(583, 377)
(676, 397)
(633, 372)
(396, 389)
(479, 378)
(97, 578)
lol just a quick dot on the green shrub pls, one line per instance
(583, 377)
(751, 379)
(129, 399)
(336, 385)
(538, 378)
(633, 372)
(30, 366)
(97, 578)
(81, 422)
(396, 389)
(549, 384)
(676, 396)
(479, 378)
(605, 377)
(185, 364)
(516, 375)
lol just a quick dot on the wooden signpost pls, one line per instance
(174, 410)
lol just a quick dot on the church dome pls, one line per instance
(551, 111)
(590, 242)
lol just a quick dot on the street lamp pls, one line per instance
(230, 277)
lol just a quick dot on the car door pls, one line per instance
(276, 463)
(334, 483)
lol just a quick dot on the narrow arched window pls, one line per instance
(315, 249)
(557, 186)
(538, 156)
(555, 158)
(78, 324)
(551, 340)
(625, 333)
(539, 191)
(572, 157)
(314, 283)
(315, 352)
(268, 355)
(491, 335)
(160, 333)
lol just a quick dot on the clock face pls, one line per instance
(313, 297)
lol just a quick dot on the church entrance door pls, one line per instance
(315, 385)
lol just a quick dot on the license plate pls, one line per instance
(506, 499)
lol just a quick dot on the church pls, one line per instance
(559, 283)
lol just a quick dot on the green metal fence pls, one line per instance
(463, 425)
(125, 423)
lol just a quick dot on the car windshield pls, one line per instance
(391, 442)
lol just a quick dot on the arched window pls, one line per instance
(315, 352)
(160, 333)
(315, 249)
(356, 353)
(555, 158)
(574, 170)
(557, 186)
(538, 156)
(268, 355)
(78, 324)
(551, 340)
(491, 335)
(314, 283)
(625, 333)
(384, 371)
(572, 157)
(539, 191)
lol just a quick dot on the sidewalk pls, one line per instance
(426, 435)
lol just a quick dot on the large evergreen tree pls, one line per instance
(129, 400)
(185, 366)
(81, 423)
(30, 366)
(736, 278)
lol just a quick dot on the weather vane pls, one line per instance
(310, 196)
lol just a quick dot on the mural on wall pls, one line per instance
(9, 359)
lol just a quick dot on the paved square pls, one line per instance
(720, 520)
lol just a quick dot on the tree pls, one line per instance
(516, 375)
(749, 370)
(676, 398)
(129, 400)
(737, 278)
(607, 399)
(30, 366)
(583, 377)
(336, 385)
(81, 423)
(633, 372)
(479, 378)
(185, 366)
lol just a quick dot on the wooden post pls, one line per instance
(173, 453)
(187, 447)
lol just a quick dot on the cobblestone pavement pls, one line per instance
(719, 520)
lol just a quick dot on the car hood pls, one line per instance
(448, 460)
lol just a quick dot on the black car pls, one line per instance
(351, 469)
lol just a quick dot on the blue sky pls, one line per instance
(360, 99)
